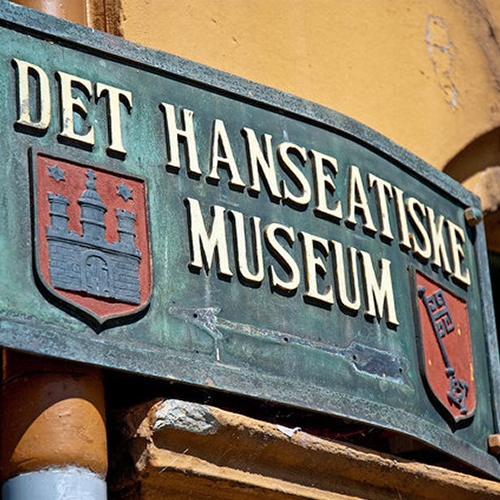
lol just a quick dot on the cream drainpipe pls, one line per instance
(52, 417)
(53, 430)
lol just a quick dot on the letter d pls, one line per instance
(42, 119)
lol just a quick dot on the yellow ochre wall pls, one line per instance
(425, 73)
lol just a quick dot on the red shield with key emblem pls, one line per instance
(446, 350)
(91, 238)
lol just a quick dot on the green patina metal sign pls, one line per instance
(167, 219)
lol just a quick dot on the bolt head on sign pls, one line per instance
(445, 348)
(91, 238)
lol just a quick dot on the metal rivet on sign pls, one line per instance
(494, 444)
(473, 216)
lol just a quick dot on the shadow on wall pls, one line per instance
(477, 167)
(479, 154)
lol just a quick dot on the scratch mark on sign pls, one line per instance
(365, 359)
(204, 318)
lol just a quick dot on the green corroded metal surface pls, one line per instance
(200, 326)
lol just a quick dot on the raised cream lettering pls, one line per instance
(176, 135)
(425, 251)
(283, 257)
(71, 105)
(358, 202)
(379, 295)
(384, 193)
(222, 156)
(296, 175)
(115, 97)
(340, 273)
(440, 258)
(315, 266)
(404, 234)
(457, 239)
(324, 184)
(241, 248)
(41, 120)
(203, 245)
(261, 165)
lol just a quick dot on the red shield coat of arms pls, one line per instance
(446, 351)
(91, 238)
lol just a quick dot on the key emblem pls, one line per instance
(445, 348)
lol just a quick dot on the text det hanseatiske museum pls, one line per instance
(288, 174)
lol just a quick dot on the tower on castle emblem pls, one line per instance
(445, 348)
(92, 243)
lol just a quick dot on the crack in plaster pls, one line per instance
(442, 53)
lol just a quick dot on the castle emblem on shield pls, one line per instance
(92, 243)
(445, 348)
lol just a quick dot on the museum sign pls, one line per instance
(163, 218)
